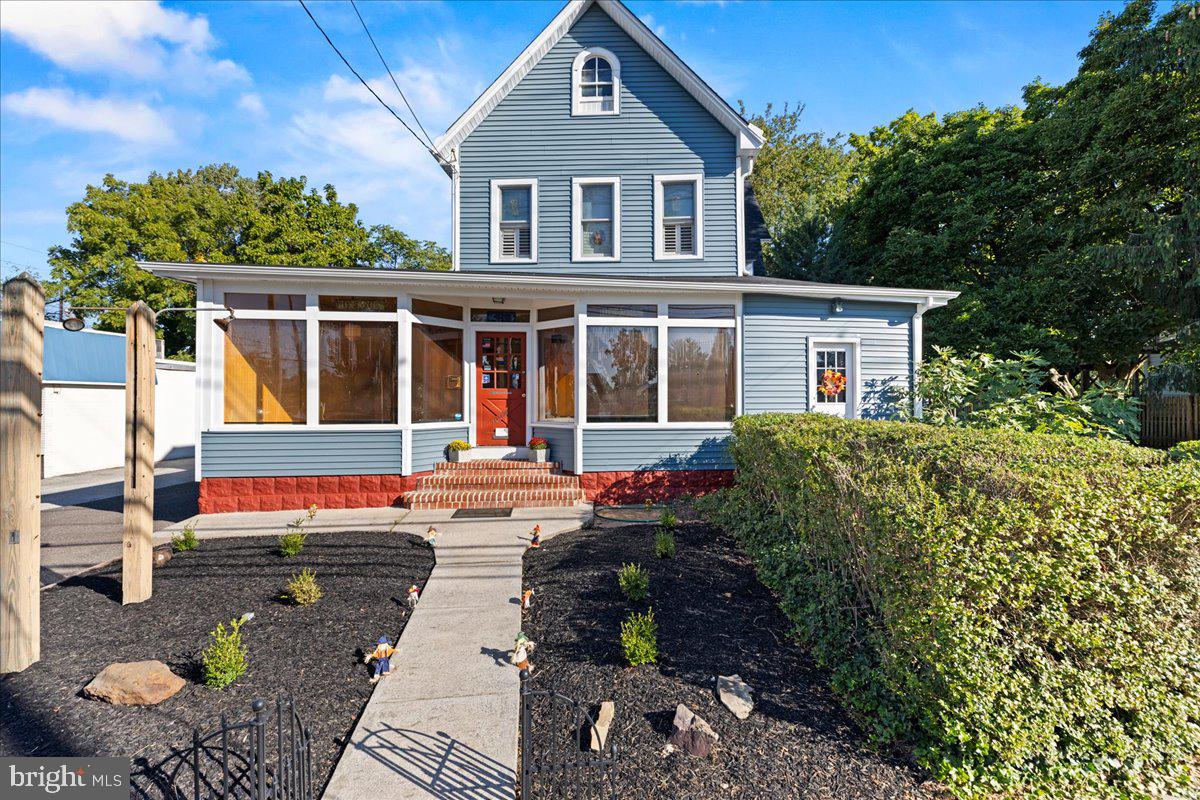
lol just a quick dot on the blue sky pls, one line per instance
(132, 87)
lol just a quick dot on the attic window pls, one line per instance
(595, 83)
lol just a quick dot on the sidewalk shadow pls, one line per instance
(440, 765)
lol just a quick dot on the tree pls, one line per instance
(212, 214)
(800, 179)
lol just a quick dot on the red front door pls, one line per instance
(500, 389)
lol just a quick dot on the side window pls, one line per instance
(595, 83)
(678, 216)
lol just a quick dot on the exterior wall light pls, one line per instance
(836, 306)
(498, 301)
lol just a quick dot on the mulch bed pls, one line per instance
(313, 652)
(714, 617)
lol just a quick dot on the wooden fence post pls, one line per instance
(138, 536)
(23, 310)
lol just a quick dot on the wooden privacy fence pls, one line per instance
(1168, 419)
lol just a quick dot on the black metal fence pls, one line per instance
(267, 757)
(558, 761)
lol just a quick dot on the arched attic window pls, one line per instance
(595, 83)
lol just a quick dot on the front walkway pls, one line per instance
(445, 723)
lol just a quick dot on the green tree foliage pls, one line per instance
(213, 214)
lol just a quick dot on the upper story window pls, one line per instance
(514, 221)
(678, 216)
(596, 219)
(595, 83)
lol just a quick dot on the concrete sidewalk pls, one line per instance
(84, 487)
(445, 723)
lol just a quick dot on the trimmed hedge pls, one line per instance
(1021, 610)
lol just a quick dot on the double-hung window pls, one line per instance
(514, 221)
(678, 216)
(595, 83)
(596, 215)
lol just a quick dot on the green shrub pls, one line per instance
(1018, 609)
(224, 660)
(634, 581)
(639, 639)
(302, 589)
(186, 540)
(668, 520)
(291, 543)
(664, 544)
(1185, 451)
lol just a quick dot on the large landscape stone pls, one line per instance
(735, 694)
(692, 734)
(134, 683)
(603, 723)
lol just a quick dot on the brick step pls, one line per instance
(486, 464)
(496, 479)
(491, 498)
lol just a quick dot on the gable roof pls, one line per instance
(750, 137)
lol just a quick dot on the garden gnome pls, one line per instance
(431, 536)
(414, 594)
(535, 540)
(527, 599)
(521, 650)
(382, 657)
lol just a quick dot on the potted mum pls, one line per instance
(457, 450)
(540, 449)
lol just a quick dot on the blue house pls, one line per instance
(602, 299)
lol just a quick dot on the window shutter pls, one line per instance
(523, 243)
(508, 242)
(670, 238)
(686, 244)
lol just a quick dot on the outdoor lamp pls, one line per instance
(498, 301)
(73, 324)
(837, 305)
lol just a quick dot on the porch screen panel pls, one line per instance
(265, 375)
(437, 374)
(556, 373)
(358, 372)
(700, 375)
(622, 374)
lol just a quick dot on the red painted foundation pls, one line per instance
(222, 495)
(624, 488)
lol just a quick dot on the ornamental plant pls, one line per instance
(664, 544)
(634, 581)
(302, 589)
(186, 540)
(639, 639)
(460, 445)
(1185, 451)
(225, 658)
(291, 543)
(1018, 609)
(538, 443)
(667, 519)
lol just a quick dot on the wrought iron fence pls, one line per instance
(560, 763)
(267, 757)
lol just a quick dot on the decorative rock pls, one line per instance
(691, 734)
(162, 557)
(603, 723)
(735, 694)
(134, 683)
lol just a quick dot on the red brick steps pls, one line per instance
(494, 483)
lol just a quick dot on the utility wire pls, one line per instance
(390, 73)
(364, 83)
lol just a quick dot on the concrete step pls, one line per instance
(486, 464)
(493, 479)
(508, 497)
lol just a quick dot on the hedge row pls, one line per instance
(1021, 610)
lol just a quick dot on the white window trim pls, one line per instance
(853, 364)
(577, 185)
(577, 109)
(659, 253)
(506, 183)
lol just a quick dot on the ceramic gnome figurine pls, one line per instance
(382, 656)
(535, 540)
(414, 594)
(527, 599)
(431, 536)
(521, 650)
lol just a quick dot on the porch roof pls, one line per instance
(546, 282)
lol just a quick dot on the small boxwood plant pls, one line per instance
(225, 658)
(302, 589)
(186, 540)
(634, 581)
(291, 543)
(639, 639)
(664, 544)
(667, 520)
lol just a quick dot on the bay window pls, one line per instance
(358, 371)
(437, 373)
(265, 373)
(622, 373)
(556, 373)
(700, 375)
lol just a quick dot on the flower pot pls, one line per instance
(458, 455)
(539, 456)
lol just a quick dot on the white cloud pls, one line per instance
(659, 30)
(131, 120)
(141, 39)
(252, 104)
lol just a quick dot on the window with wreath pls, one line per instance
(830, 376)
(596, 207)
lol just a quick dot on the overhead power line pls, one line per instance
(374, 94)
(391, 74)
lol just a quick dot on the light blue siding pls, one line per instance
(562, 444)
(661, 130)
(429, 445)
(776, 331)
(655, 448)
(248, 454)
